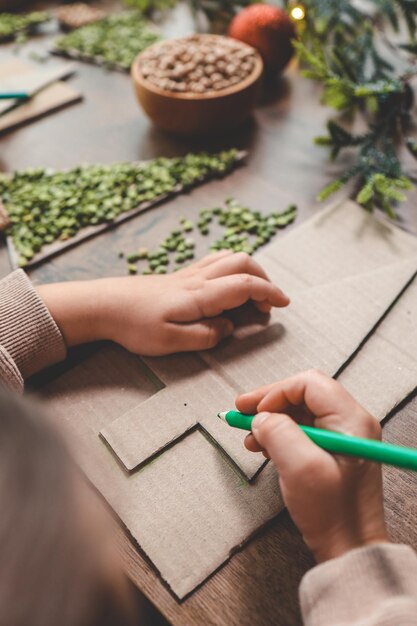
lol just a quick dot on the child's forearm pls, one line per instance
(77, 308)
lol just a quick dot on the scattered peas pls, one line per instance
(132, 258)
(143, 253)
(132, 268)
(188, 226)
(245, 231)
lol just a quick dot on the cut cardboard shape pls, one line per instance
(156, 424)
(189, 510)
(385, 372)
(323, 327)
(16, 75)
(20, 76)
(340, 241)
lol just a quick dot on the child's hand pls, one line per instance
(155, 315)
(335, 501)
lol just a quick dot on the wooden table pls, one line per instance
(259, 585)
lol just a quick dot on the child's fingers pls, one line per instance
(287, 445)
(263, 307)
(229, 292)
(238, 263)
(251, 444)
(200, 335)
(316, 396)
(248, 402)
(210, 259)
(320, 394)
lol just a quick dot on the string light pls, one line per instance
(298, 13)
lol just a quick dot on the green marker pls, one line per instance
(369, 449)
(13, 95)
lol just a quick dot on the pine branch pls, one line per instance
(340, 45)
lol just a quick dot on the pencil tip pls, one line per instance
(222, 415)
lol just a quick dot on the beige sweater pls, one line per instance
(29, 338)
(374, 586)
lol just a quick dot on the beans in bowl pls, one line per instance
(197, 64)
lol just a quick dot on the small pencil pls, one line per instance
(13, 95)
(368, 449)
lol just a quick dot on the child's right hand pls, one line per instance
(335, 501)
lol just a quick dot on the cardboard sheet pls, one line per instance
(47, 101)
(147, 429)
(340, 241)
(321, 329)
(385, 371)
(188, 489)
(15, 73)
(188, 508)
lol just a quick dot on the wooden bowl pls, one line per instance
(198, 114)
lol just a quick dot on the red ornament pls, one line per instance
(269, 30)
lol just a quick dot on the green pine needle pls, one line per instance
(340, 47)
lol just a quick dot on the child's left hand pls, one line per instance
(156, 315)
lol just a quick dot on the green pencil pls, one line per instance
(369, 449)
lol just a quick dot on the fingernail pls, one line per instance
(228, 328)
(259, 419)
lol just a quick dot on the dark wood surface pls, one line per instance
(259, 584)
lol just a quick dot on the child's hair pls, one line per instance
(55, 564)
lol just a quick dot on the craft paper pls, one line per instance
(188, 508)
